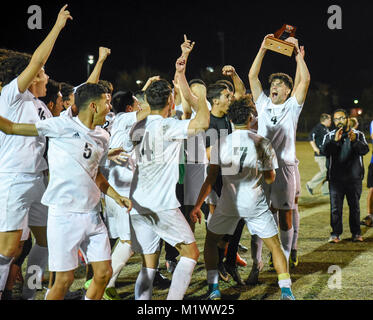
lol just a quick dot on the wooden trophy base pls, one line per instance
(280, 46)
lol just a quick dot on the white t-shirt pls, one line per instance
(278, 123)
(120, 176)
(74, 154)
(243, 155)
(158, 157)
(20, 153)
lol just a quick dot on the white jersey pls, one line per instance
(74, 154)
(20, 153)
(120, 176)
(243, 155)
(278, 123)
(158, 157)
(109, 120)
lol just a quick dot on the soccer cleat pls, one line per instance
(293, 259)
(357, 238)
(170, 265)
(233, 271)
(161, 281)
(223, 272)
(286, 294)
(214, 295)
(310, 191)
(87, 284)
(367, 221)
(111, 294)
(241, 262)
(334, 239)
(242, 248)
(253, 277)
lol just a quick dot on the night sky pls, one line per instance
(150, 33)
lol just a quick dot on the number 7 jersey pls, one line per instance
(74, 155)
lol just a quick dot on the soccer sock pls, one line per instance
(38, 257)
(284, 283)
(256, 249)
(221, 254)
(296, 219)
(46, 293)
(86, 298)
(213, 279)
(181, 278)
(286, 241)
(25, 251)
(5, 263)
(121, 254)
(144, 284)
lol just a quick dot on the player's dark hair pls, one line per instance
(66, 90)
(285, 78)
(157, 94)
(240, 111)
(199, 81)
(87, 93)
(121, 100)
(214, 91)
(227, 83)
(53, 88)
(107, 85)
(12, 65)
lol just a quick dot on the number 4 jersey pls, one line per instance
(278, 123)
(75, 152)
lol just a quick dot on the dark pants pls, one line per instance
(352, 191)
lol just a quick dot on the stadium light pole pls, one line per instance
(90, 61)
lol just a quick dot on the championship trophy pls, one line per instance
(278, 43)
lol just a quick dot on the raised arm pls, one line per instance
(19, 129)
(202, 119)
(103, 53)
(297, 72)
(239, 86)
(41, 54)
(300, 91)
(255, 85)
(150, 81)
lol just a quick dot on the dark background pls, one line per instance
(149, 33)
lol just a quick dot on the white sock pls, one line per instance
(46, 294)
(286, 241)
(181, 278)
(212, 276)
(36, 264)
(296, 221)
(144, 284)
(285, 283)
(86, 298)
(121, 254)
(5, 263)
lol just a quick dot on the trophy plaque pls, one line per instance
(278, 43)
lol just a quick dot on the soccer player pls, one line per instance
(277, 121)
(21, 158)
(157, 173)
(77, 143)
(244, 159)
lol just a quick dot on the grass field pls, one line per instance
(311, 279)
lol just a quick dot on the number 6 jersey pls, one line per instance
(74, 155)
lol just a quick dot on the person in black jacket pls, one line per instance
(344, 148)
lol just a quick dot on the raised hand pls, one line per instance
(262, 47)
(338, 134)
(186, 46)
(180, 65)
(352, 135)
(62, 17)
(103, 53)
(294, 41)
(228, 71)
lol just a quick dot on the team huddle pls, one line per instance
(65, 162)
